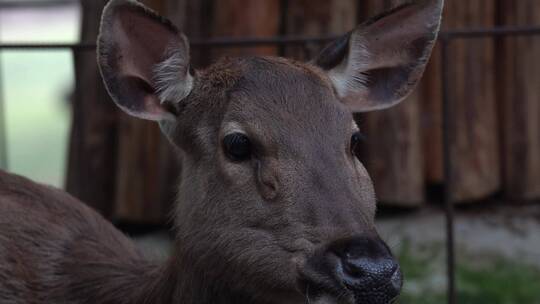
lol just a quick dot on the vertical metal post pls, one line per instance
(3, 126)
(283, 24)
(447, 139)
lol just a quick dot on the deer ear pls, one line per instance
(378, 64)
(143, 59)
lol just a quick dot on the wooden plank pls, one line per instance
(393, 153)
(474, 146)
(91, 163)
(138, 173)
(193, 18)
(431, 120)
(519, 99)
(317, 18)
(393, 149)
(239, 18)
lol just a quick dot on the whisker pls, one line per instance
(307, 294)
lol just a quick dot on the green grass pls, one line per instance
(480, 280)
(504, 282)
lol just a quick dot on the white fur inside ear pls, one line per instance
(172, 78)
(348, 76)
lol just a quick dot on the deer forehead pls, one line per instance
(271, 92)
(264, 76)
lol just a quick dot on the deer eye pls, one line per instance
(356, 139)
(237, 147)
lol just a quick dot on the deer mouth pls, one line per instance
(350, 297)
(321, 290)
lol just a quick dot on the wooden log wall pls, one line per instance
(91, 174)
(124, 167)
(239, 18)
(317, 18)
(474, 145)
(518, 94)
(393, 148)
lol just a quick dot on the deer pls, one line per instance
(273, 204)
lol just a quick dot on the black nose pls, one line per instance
(365, 266)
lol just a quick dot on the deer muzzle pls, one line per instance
(355, 270)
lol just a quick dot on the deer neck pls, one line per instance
(181, 283)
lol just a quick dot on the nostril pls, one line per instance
(366, 277)
(351, 269)
(368, 271)
(354, 268)
(363, 266)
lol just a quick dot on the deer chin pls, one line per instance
(327, 299)
(345, 296)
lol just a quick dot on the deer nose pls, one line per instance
(361, 266)
(367, 268)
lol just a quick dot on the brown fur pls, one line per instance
(54, 249)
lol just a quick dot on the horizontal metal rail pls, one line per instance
(287, 40)
(35, 3)
(212, 42)
(491, 32)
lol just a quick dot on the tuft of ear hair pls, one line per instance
(144, 60)
(379, 63)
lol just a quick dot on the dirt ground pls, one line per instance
(510, 232)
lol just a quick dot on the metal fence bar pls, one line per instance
(448, 174)
(291, 40)
(35, 3)
(3, 125)
(283, 23)
(47, 46)
(472, 33)
(195, 43)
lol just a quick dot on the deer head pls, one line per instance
(273, 204)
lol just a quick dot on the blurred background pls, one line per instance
(468, 138)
